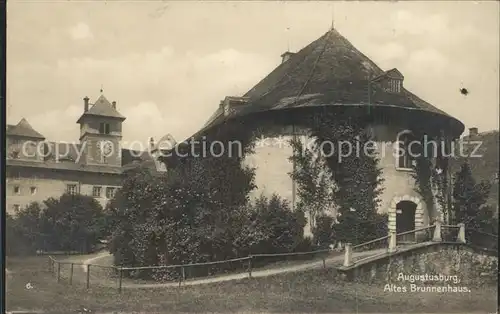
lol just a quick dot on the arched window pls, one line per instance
(406, 151)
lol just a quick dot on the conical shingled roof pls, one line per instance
(103, 108)
(328, 71)
(24, 129)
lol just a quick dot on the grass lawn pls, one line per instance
(101, 273)
(311, 291)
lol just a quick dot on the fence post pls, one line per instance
(348, 255)
(183, 274)
(50, 265)
(58, 271)
(392, 242)
(324, 262)
(461, 233)
(71, 274)
(250, 266)
(180, 277)
(120, 280)
(437, 232)
(88, 276)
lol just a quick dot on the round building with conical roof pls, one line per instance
(331, 76)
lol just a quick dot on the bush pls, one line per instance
(70, 223)
(323, 231)
(16, 241)
(192, 215)
(282, 229)
(356, 229)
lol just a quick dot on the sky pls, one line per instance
(168, 64)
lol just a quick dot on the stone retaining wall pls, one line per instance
(471, 266)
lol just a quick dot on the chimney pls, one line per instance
(473, 131)
(286, 55)
(113, 104)
(151, 144)
(85, 104)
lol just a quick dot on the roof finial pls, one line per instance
(333, 18)
(101, 89)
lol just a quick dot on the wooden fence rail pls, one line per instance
(432, 233)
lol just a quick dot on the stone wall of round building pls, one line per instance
(273, 168)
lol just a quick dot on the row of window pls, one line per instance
(96, 190)
(73, 189)
(17, 190)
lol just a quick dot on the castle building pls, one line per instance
(330, 74)
(37, 169)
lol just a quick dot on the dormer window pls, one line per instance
(391, 81)
(394, 85)
(231, 102)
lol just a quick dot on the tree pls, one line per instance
(73, 222)
(315, 188)
(70, 223)
(194, 213)
(323, 234)
(355, 171)
(469, 199)
(281, 230)
(21, 232)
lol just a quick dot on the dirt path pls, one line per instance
(93, 259)
(101, 278)
(258, 273)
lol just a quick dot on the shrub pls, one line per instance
(323, 231)
(70, 223)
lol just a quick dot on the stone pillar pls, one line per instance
(348, 255)
(392, 242)
(437, 232)
(461, 233)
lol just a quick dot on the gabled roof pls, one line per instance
(167, 142)
(392, 73)
(103, 108)
(330, 71)
(23, 129)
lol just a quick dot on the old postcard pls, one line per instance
(251, 157)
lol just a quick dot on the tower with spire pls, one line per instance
(101, 133)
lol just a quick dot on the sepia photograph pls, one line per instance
(250, 156)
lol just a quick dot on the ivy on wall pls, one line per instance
(431, 175)
(354, 171)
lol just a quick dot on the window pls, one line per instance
(33, 190)
(104, 128)
(110, 192)
(71, 189)
(407, 151)
(16, 207)
(395, 86)
(96, 191)
(17, 189)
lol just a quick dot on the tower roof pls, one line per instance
(329, 71)
(103, 108)
(23, 129)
